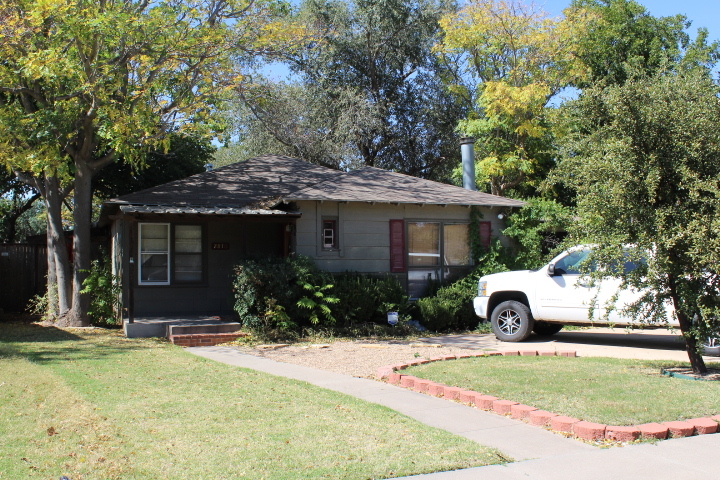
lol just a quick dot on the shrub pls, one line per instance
(365, 298)
(268, 289)
(104, 290)
(451, 308)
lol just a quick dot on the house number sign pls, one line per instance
(220, 246)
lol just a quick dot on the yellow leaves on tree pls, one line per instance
(520, 58)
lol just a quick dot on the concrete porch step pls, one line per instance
(180, 325)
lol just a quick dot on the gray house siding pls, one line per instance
(364, 231)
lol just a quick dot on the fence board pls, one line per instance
(22, 275)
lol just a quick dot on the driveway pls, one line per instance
(655, 344)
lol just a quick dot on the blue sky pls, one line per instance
(702, 13)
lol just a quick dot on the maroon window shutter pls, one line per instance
(397, 246)
(485, 234)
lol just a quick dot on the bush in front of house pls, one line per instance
(288, 294)
(451, 308)
(367, 298)
(267, 291)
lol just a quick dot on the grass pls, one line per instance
(91, 404)
(604, 390)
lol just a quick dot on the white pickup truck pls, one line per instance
(542, 301)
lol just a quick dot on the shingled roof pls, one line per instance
(255, 181)
(371, 184)
(262, 182)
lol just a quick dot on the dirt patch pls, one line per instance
(360, 358)
(713, 374)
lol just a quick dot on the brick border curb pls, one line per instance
(541, 418)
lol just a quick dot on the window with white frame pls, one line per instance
(154, 254)
(162, 265)
(329, 234)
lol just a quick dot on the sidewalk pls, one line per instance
(539, 454)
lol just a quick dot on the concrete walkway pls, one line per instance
(652, 344)
(539, 454)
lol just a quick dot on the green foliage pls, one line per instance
(105, 290)
(623, 39)
(286, 295)
(516, 57)
(535, 230)
(367, 299)
(83, 84)
(318, 302)
(644, 160)
(367, 91)
(185, 156)
(451, 308)
(267, 290)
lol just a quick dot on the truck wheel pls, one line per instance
(547, 328)
(512, 321)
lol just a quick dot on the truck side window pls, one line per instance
(570, 264)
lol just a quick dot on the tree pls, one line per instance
(16, 198)
(621, 36)
(644, 158)
(85, 83)
(185, 156)
(518, 58)
(367, 90)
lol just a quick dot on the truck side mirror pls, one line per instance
(551, 270)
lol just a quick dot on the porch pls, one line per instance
(185, 330)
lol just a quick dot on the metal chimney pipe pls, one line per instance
(467, 151)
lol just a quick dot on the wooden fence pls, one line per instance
(22, 275)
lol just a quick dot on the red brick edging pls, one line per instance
(204, 339)
(558, 423)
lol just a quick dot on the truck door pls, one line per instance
(567, 294)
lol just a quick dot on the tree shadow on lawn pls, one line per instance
(47, 344)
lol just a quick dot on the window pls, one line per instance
(188, 253)
(423, 244)
(456, 239)
(329, 234)
(154, 253)
(571, 264)
(159, 263)
(436, 251)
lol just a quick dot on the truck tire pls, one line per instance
(547, 328)
(512, 321)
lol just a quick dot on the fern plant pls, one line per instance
(318, 302)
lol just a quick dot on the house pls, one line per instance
(175, 245)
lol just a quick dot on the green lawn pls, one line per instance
(603, 390)
(95, 405)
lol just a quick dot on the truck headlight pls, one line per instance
(482, 289)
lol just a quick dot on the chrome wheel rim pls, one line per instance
(509, 322)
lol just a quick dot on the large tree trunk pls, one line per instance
(78, 315)
(53, 308)
(691, 346)
(56, 244)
